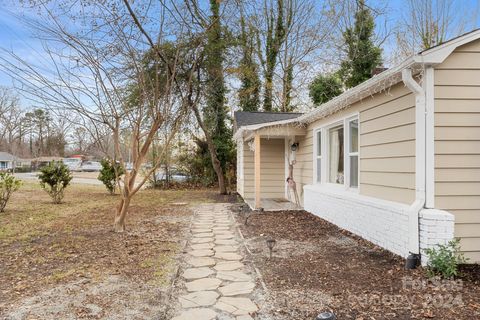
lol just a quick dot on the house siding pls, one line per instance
(457, 144)
(272, 169)
(387, 145)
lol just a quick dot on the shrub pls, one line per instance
(107, 174)
(54, 178)
(324, 88)
(8, 185)
(443, 260)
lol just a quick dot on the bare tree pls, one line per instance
(10, 120)
(429, 23)
(101, 74)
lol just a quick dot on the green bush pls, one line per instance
(8, 185)
(54, 178)
(108, 176)
(443, 260)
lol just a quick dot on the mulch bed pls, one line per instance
(318, 267)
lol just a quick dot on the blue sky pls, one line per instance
(16, 37)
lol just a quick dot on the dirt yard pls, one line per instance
(64, 262)
(318, 267)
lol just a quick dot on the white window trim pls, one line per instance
(316, 157)
(345, 121)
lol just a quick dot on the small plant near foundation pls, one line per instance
(54, 178)
(444, 260)
(8, 185)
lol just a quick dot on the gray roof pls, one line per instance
(243, 118)
(5, 156)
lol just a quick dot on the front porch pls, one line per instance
(264, 156)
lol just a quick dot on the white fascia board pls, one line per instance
(241, 132)
(439, 53)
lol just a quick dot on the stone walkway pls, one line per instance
(217, 283)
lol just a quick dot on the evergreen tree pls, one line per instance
(362, 54)
(216, 112)
(249, 93)
(324, 88)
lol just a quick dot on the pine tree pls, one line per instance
(362, 54)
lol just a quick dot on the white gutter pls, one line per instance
(253, 127)
(420, 163)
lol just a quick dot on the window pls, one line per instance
(353, 152)
(338, 146)
(318, 156)
(335, 155)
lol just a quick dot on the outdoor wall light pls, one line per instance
(271, 244)
(326, 316)
(294, 146)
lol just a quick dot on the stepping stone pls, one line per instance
(228, 225)
(202, 226)
(225, 248)
(228, 265)
(202, 253)
(199, 246)
(236, 306)
(201, 240)
(217, 232)
(206, 284)
(205, 230)
(235, 276)
(228, 242)
(228, 256)
(201, 262)
(236, 288)
(203, 235)
(223, 236)
(197, 273)
(199, 299)
(197, 314)
(220, 228)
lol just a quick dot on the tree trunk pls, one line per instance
(217, 166)
(213, 152)
(121, 214)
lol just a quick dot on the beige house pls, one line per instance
(395, 160)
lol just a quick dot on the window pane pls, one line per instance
(319, 143)
(319, 170)
(335, 156)
(354, 171)
(354, 136)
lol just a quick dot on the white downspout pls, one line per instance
(420, 164)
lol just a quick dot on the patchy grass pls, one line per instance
(47, 246)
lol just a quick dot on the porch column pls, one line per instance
(257, 172)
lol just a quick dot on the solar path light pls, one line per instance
(326, 316)
(271, 244)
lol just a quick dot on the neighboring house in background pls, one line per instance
(7, 161)
(395, 160)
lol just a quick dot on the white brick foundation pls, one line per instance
(436, 227)
(382, 222)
